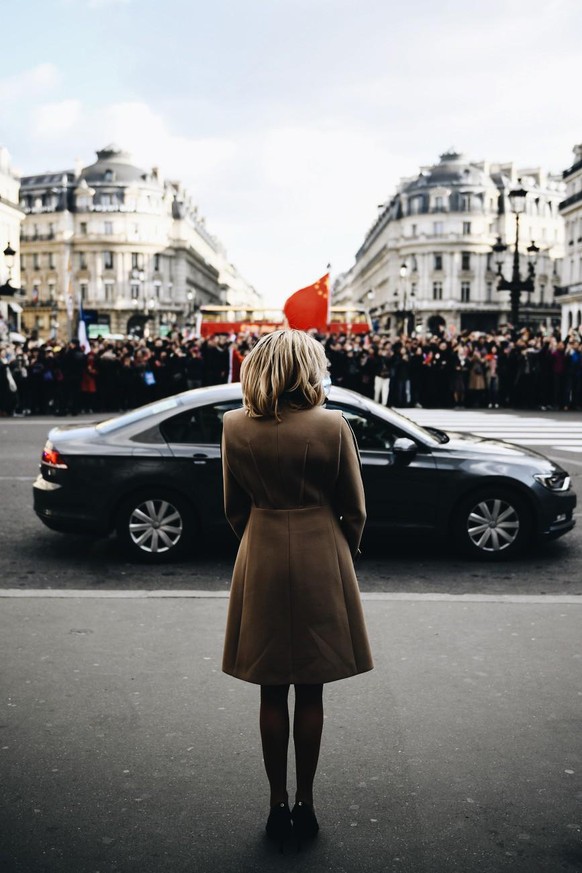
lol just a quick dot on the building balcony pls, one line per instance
(566, 290)
(573, 169)
(570, 201)
(37, 237)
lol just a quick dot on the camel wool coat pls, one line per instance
(294, 496)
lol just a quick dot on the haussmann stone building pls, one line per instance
(427, 263)
(126, 244)
(571, 210)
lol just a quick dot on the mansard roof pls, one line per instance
(113, 165)
(453, 169)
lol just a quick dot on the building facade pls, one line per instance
(126, 244)
(571, 209)
(427, 262)
(11, 217)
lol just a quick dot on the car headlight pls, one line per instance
(558, 481)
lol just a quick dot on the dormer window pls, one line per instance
(109, 175)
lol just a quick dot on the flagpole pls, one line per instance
(329, 287)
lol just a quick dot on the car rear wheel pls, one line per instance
(155, 525)
(492, 524)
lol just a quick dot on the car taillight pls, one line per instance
(52, 458)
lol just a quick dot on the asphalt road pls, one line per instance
(123, 746)
(31, 556)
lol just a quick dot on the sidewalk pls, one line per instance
(124, 748)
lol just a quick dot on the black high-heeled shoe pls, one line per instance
(305, 824)
(279, 825)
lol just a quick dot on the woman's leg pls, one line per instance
(274, 725)
(307, 728)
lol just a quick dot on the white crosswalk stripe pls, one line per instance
(552, 431)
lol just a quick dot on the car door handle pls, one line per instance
(379, 460)
(199, 458)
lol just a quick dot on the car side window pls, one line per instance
(370, 432)
(201, 425)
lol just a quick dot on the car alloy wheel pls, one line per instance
(493, 524)
(155, 526)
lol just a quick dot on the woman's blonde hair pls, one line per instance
(285, 366)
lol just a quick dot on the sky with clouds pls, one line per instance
(290, 120)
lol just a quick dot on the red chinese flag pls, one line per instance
(309, 307)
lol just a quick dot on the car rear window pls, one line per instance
(135, 415)
(200, 425)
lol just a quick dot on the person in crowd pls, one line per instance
(383, 375)
(523, 370)
(8, 386)
(477, 384)
(72, 369)
(294, 496)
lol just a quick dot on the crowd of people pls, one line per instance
(513, 369)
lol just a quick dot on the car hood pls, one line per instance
(469, 443)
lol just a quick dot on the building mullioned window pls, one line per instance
(465, 292)
(438, 261)
(465, 260)
(108, 260)
(437, 290)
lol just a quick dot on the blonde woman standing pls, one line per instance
(294, 497)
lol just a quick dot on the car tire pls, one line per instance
(156, 525)
(492, 524)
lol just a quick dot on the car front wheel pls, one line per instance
(155, 526)
(492, 524)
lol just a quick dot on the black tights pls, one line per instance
(307, 728)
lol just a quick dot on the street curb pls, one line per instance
(70, 593)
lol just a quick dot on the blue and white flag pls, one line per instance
(82, 331)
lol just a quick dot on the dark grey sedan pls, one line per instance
(154, 476)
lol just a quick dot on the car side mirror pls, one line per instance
(404, 450)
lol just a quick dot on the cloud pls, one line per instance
(54, 120)
(145, 133)
(68, 129)
(29, 83)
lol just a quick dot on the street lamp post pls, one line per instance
(404, 315)
(516, 284)
(7, 289)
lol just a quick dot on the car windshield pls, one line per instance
(135, 415)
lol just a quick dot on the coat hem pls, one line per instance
(297, 681)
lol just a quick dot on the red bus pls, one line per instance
(234, 319)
